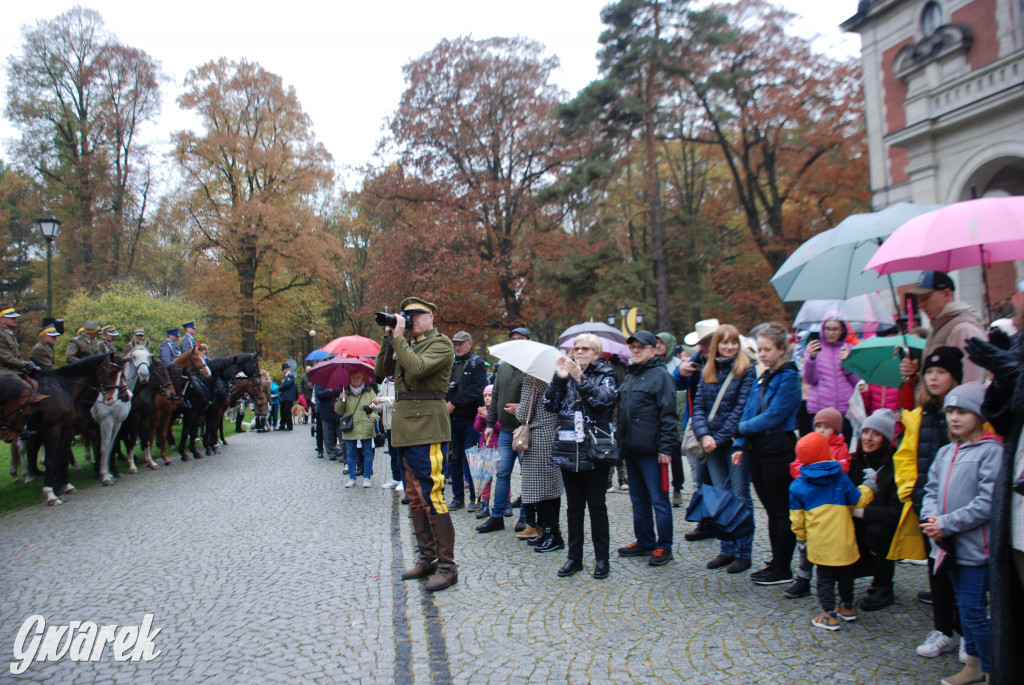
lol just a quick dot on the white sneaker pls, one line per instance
(344, 470)
(366, 482)
(389, 484)
(611, 489)
(350, 484)
(935, 644)
(400, 488)
(624, 486)
(963, 651)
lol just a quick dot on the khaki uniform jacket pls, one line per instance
(80, 347)
(42, 356)
(106, 347)
(423, 367)
(12, 365)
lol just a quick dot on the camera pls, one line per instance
(391, 320)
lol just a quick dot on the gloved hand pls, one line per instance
(858, 513)
(998, 337)
(31, 369)
(870, 479)
(368, 409)
(999, 361)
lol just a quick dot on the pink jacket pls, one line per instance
(880, 397)
(827, 384)
(480, 425)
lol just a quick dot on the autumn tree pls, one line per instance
(79, 98)
(251, 180)
(19, 211)
(477, 123)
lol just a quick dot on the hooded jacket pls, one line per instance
(959, 492)
(820, 505)
(957, 322)
(837, 447)
(924, 432)
(781, 400)
(594, 397)
(828, 384)
(648, 420)
(723, 427)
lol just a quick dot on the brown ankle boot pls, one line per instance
(426, 545)
(971, 673)
(447, 573)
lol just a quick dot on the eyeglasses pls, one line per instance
(581, 349)
(638, 348)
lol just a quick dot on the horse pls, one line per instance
(70, 391)
(140, 426)
(110, 418)
(17, 402)
(237, 389)
(196, 397)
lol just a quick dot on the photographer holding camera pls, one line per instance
(419, 358)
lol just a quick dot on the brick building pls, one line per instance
(944, 94)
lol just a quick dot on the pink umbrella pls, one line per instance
(970, 233)
(334, 373)
(353, 346)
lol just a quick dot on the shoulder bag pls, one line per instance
(521, 435)
(691, 445)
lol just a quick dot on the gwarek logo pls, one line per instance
(82, 641)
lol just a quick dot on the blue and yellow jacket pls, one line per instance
(820, 502)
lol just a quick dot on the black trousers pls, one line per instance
(286, 414)
(945, 616)
(548, 513)
(586, 490)
(828, 578)
(771, 480)
(874, 540)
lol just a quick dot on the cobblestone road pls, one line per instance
(258, 566)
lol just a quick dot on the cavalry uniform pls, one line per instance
(169, 350)
(188, 341)
(107, 346)
(421, 431)
(138, 340)
(82, 346)
(11, 363)
(42, 352)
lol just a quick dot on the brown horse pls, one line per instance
(140, 426)
(17, 402)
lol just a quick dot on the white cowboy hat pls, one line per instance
(704, 329)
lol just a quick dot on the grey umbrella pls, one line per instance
(831, 264)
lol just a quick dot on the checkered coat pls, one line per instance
(541, 480)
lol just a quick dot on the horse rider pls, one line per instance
(106, 345)
(11, 363)
(85, 344)
(189, 340)
(42, 352)
(138, 340)
(169, 350)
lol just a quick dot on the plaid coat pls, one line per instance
(541, 479)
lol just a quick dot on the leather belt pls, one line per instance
(400, 396)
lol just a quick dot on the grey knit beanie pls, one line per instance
(883, 421)
(968, 396)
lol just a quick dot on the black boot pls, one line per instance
(492, 524)
(553, 541)
(878, 598)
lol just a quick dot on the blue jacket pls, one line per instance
(727, 418)
(820, 504)
(781, 401)
(289, 391)
(688, 384)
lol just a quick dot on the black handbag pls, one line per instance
(344, 423)
(603, 449)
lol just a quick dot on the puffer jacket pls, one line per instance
(959, 492)
(594, 396)
(723, 427)
(781, 401)
(924, 433)
(828, 384)
(880, 397)
(820, 505)
(648, 420)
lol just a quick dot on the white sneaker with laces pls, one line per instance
(366, 482)
(624, 486)
(935, 644)
(350, 484)
(963, 651)
(611, 489)
(389, 484)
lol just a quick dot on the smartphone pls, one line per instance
(813, 335)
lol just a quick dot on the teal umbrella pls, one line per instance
(877, 360)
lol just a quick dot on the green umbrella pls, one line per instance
(877, 360)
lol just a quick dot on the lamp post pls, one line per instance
(49, 226)
(631, 319)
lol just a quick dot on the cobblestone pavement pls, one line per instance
(258, 566)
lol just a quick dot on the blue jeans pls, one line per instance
(353, 457)
(463, 437)
(720, 468)
(503, 475)
(971, 586)
(644, 473)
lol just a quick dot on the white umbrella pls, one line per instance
(859, 310)
(534, 358)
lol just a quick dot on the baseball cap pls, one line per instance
(933, 280)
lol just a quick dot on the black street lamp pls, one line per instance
(49, 226)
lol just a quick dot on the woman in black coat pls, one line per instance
(583, 395)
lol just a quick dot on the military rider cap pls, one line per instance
(139, 331)
(9, 313)
(190, 324)
(91, 326)
(48, 330)
(172, 331)
(645, 338)
(415, 304)
(109, 330)
(462, 336)
(932, 280)
(78, 331)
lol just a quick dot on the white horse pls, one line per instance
(113, 404)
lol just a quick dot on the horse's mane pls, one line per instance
(12, 387)
(83, 367)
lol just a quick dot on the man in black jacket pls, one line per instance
(647, 433)
(465, 394)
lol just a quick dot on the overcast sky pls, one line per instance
(345, 58)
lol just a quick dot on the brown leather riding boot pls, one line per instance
(447, 573)
(426, 546)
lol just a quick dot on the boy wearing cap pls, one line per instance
(420, 362)
(42, 352)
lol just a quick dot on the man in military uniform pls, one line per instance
(85, 344)
(169, 350)
(106, 345)
(42, 353)
(189, 341)
(138, 340)
(11, 363)
(420, 361)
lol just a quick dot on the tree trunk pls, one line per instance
(654, 192)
